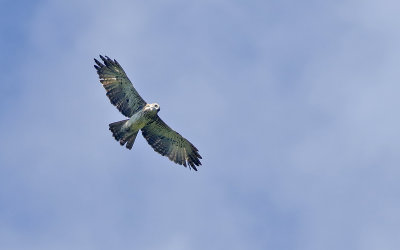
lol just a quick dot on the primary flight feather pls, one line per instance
(142, 116)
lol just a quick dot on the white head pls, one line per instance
(153, 107)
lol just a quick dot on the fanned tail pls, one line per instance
(122, 134)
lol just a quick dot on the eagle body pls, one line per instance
(142, 117)
(125, 131)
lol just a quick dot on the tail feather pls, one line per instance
(131, 140)
(128, 138)
(116, 129)
(123, 135)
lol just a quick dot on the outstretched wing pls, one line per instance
(169, 143)
(119, 88)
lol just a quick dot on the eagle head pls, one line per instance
(154, 107)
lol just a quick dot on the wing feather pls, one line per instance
(171, 144)
(119, 88)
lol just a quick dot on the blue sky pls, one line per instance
(293, 106)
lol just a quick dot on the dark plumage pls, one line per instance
(142, 116)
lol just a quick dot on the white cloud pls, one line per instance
(294, 113)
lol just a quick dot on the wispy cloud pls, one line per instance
(292, 105)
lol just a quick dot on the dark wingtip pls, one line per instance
(107, 61)
(97, 62)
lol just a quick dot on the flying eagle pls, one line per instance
(142, 116)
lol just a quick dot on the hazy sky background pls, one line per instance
(294, 106)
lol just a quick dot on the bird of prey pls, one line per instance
(142, 116)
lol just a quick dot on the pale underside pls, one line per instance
(158, 134)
